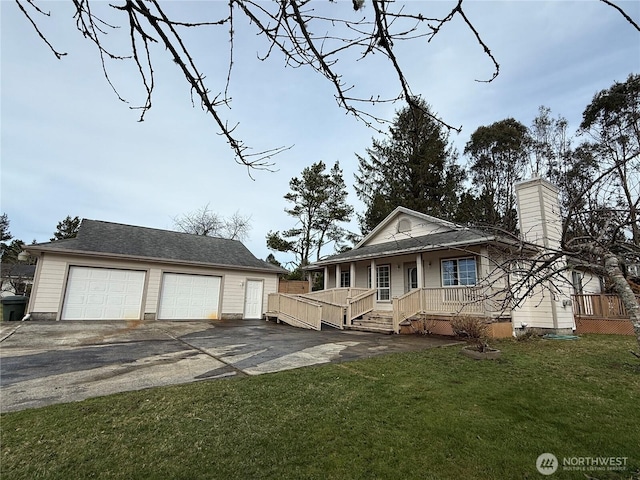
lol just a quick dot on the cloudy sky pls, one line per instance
(70, 147)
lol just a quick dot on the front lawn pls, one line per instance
(429, 415)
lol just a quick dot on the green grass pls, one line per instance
(430, 415)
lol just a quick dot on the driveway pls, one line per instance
(43, 363)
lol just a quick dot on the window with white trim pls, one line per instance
(345, 279)
(383, 281)
(459, 271)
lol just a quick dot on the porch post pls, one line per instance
(420, 270)
(420, 274)
(338, 272)
(352, 275)
(373, 275)
(326, 277)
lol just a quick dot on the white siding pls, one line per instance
(539, 213)
(538, 311)
(591, 284)
(540, 223)
(48, 293)
(419, 227)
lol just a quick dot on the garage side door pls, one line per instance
(189, 297)
(253, 299)
(103, 294)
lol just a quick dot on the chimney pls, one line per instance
(539, 213)
(548, 306)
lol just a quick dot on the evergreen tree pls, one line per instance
(415, 167)
(67, 228)
(319, 206)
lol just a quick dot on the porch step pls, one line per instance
(376, 321)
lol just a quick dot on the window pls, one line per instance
(412, 278)
(576, 279)
(459, 271)
(345, 279)
(383, 280)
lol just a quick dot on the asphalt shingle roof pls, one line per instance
(95, 236)
(466, 236)
(17, 270)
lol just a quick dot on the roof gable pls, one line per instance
(106, 238)
(404, 223)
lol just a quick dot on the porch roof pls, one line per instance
(435, 241)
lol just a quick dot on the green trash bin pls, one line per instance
(13, 307)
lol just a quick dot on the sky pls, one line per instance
(70, 147)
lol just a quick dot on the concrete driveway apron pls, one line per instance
(43, 363)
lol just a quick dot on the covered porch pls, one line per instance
(355, 308)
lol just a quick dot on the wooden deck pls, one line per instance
(601, 313)
(354, 308)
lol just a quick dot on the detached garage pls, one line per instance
(112, 271)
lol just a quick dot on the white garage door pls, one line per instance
(103, 294)
(189, 297)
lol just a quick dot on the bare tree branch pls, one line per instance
(304, 32)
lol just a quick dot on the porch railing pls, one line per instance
(336, 305)
(332, 307)
(343, 303)
(332, 314)
(335, 295)
(406, 306)
(363, 302)
(601, 306)
(451, 300)
(295, 310)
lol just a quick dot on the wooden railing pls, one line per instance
(456, 300)
(332, 314)
(335, 295)
(338, 302)
(406, 306)
(449, 301)
(599, 306)
(332, 295)
(335, 305)
(295, 310)
(310, 310)
(363, 302)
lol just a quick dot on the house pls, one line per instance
(112, 271)
(413, 269)
(16, 279)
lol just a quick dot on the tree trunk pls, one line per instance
(623, 289)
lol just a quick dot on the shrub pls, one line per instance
(472, 329)
(527, 334)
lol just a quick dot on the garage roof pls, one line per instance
(96, 237)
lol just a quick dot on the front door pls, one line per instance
(253, 299)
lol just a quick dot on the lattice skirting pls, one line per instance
(600, 325)
(443, 327)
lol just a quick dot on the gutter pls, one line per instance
(119, 256)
